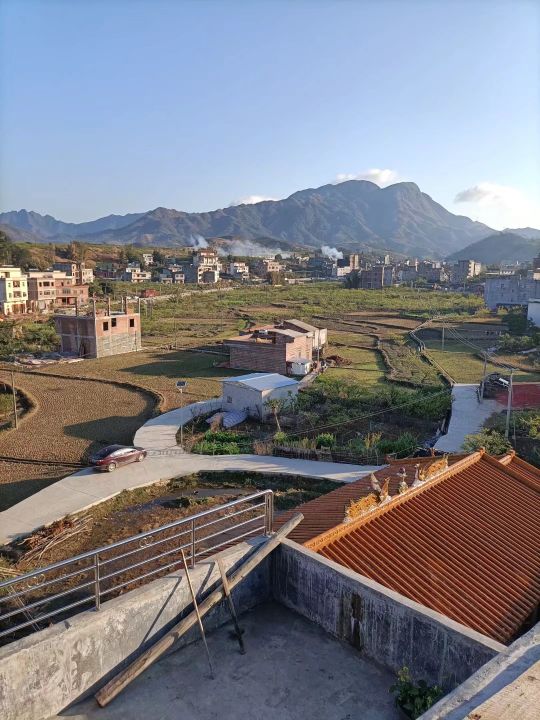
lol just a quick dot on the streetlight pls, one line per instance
(180, 385)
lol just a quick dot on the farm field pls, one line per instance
(78, 410)
(70, 417)
(464, 366)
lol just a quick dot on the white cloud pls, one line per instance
(376, 175)
(500, 206)
(251, 200)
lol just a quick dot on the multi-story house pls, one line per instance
(377, 277)
(77, 270)
(99, 335)
(134, 274)
(204, 268)
(263, 266)
(68, 292)
(13, 290)
(465, 269)
(238, 270)
(42, 290)
(270, 349)
(510, 290)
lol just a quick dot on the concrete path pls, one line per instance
(468, 416)
(165, 461)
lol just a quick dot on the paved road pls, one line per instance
(86, 488)
(468, 416)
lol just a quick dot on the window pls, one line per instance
(113, 322)
(132, 322)
(105, 325)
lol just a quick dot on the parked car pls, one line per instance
(110, 457)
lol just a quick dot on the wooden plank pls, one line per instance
(226, 588)
(115, 686)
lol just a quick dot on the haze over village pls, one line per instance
(269, 360)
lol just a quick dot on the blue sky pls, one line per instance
(123, 106)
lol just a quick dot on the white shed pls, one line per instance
(250, 392)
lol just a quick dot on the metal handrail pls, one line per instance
(92, 577)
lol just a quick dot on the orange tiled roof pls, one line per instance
(465, 543)
(327, 511)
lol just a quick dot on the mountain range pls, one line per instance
(353, 215)
(504, 247)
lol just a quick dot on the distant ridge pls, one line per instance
(354, 215)
(502, 247)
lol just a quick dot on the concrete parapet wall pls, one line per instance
(46, 672)
(386, 626)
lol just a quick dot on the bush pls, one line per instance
(402, 446)
(280, 438)
(413, 699)
(493, 441)
(325, 440)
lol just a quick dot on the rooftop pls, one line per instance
(464, 541)
(291, 669)
(262, 381)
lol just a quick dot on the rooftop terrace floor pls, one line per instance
(292, 669)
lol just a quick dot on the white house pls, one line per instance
(251, 392)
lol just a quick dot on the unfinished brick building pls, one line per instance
(269, 350)
(99, 335)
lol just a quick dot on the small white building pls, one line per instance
(251, 392)
(533, 311)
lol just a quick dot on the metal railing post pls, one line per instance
(97, 591)
(193, 543)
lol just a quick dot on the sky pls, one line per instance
(116, 106)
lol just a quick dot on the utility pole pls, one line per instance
(14, 393)
(442, 338)
(509, 405)
(483, 383)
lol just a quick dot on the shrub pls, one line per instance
(280, 438)
(325, 440)
(413, 699)
(493, 441)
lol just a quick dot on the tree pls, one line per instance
(159, 257)
(352, 280)
(276, 406)
(492, 441)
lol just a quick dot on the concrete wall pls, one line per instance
(44, 673)
(383, 624)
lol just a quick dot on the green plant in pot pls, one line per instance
(414, 698)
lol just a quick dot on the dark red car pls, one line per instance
(112, 456)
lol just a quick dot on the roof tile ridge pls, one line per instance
(328, 536)
(516, 474)
(507, 457)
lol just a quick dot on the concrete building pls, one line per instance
(238, 270)
(69, 293)
(42, 290)
(251, 392)
(135, 274)
(269, 350)
(465, 269)
(376, 277)
(533, 311)
(13, 290)
(81, 274)
(508, 291)
(263, 266)
(147, 259)
(319, 335)
(204, 268)
(99, 335)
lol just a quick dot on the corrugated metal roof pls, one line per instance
(302, 324)
(261, 381)
(465, 543)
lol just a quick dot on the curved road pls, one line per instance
(165, 460)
